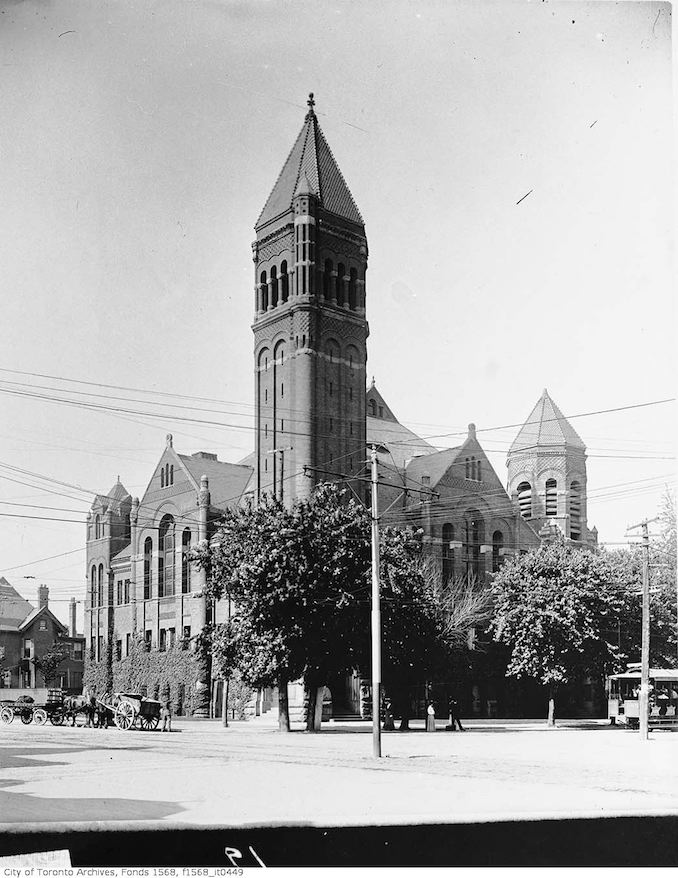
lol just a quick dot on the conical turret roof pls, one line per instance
(546, 426)
(119, 491)
(311, 157)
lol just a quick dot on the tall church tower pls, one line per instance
(547, 474)
(310, 331)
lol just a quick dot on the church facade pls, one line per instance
(315, 421)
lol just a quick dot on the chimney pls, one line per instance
(71, 618)
(43, 596)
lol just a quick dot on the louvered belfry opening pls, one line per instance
(551, 497)
(525, 499)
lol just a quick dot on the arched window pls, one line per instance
(340, 284)
(373, 408)
(352, 290)
(327, 279)
(284, 281)
(474, 531)
(525, 499)
(97, 527)
(162, 477)
(148, 559)
(93, 583)
(274, 287)
(166, 557)
(468, 468)
(185, 563)
(575, 511)
(478, 472)
(497, 546)
(171, 474)
(264, 291)
(551, 497)
(101, 585)
(448, 553)
(473, 468)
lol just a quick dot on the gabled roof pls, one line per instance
(546, 426)
(41, 611)
(434, 464)
(373, 395)
(310, 167)
(227, 481)
(13, 608)
(401, 442)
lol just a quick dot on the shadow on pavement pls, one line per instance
(21, 808)
(24, 757)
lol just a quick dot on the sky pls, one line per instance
(513, 165)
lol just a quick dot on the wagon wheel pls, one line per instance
(56, 718)
(7, 715)
(124, 716)
(26, 717)
(148, 723)
(40, 716)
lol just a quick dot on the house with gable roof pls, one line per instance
(27, 633)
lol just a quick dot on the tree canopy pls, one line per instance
(299, 580)
(555, 608)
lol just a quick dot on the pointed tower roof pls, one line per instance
(312, 158)
(118, 491)
(546, 426)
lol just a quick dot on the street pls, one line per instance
(249, 776)
(203, 774)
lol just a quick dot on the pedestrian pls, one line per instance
(102, 715)
(91, 711)
(453, 707)
(430, 718)
(166, 715)
(388, 717)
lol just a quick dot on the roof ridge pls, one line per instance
(341, 176)
(277, 179)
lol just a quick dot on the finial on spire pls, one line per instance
(311, 104)
(169, 440)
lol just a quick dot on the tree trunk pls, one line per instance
(551, 722)
(224, 703)
(312, 693)
(314, 709)
(283, 707)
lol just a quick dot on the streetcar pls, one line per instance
(623, 702)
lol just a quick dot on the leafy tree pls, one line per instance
(49, 661)
(627, 566)
(554, 608)
(300, 579)
(292, 574)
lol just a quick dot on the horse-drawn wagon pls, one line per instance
(29, 712)
(132, 710)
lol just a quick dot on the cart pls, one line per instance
(29, 712)
(25, 708)
(131, 710)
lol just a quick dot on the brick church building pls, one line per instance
(315, 416)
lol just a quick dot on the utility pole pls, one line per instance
(376, 614)
(643, 701)
(278, 491)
